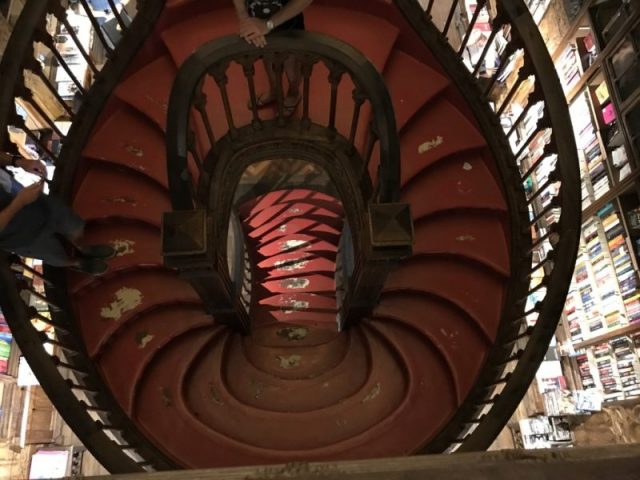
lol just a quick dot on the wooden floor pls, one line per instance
(613, 462)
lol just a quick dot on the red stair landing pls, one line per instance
(296, 388)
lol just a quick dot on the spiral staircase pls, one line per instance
(352, 282)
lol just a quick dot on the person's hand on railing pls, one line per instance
(254, 31)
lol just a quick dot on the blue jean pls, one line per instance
(47, 244)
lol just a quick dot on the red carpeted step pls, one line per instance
(135, 344)
(479, 292)
(232, 424)
(412, 85)
(456, 183)
(137, 245)
(372, 36)
(449, 330)
(107, 192)
(299, 301)
(128, 139)
(285, 210)
(309, 283)
(297, 243)
(148, 89)
(104, 307)
(186, 37)
(311, 264)
(279, 367)
(260, 213)
(292, 221)
(287, 258)
(269, 365)
(476, 235)
(254, 207)
(438, 132)
(284, 335)
(276, 230)
(261, 317)
(374, 416)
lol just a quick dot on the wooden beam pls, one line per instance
(617, 461)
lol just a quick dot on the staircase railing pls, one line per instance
(348, 153)
(67, 376)
(536, 155)
(543, 252)
(37, 48)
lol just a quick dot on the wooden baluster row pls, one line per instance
(200, 104)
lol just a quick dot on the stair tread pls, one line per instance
(287, 300)
(309, 282)
(288, 223)
(339, 372)
(463, 344)
(234, 431)
(436, 133)
(137, 244)
(372, 36)
(106, 307)
(109, 192)
(127, 139)
(311, 244)
(477, 291)
(456, 184)
(269, 266)
(311, 264)
(290, 424)
(277, 230)
(254, 207)
(124, 359)
(293, 208)
(411, 84)
(148, 89)
(474, 235)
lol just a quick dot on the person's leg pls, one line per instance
(48, 248)
(267, 98)
(66, 223)
(293, 70)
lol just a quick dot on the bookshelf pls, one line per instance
(598, 63)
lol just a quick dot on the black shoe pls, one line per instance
(98, 251)
(91, 266)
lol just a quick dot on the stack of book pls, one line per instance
(627, 365)
(589, 146)
(568, 68)
(588, 298)
(573, 311)
(586, 373)
(620, 255)
(608, 372)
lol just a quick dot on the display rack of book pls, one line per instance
(591, 152)
(598, 64)
(598, 67)
(603, 308)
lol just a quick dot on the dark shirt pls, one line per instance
(266, 9)
(27, 222)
